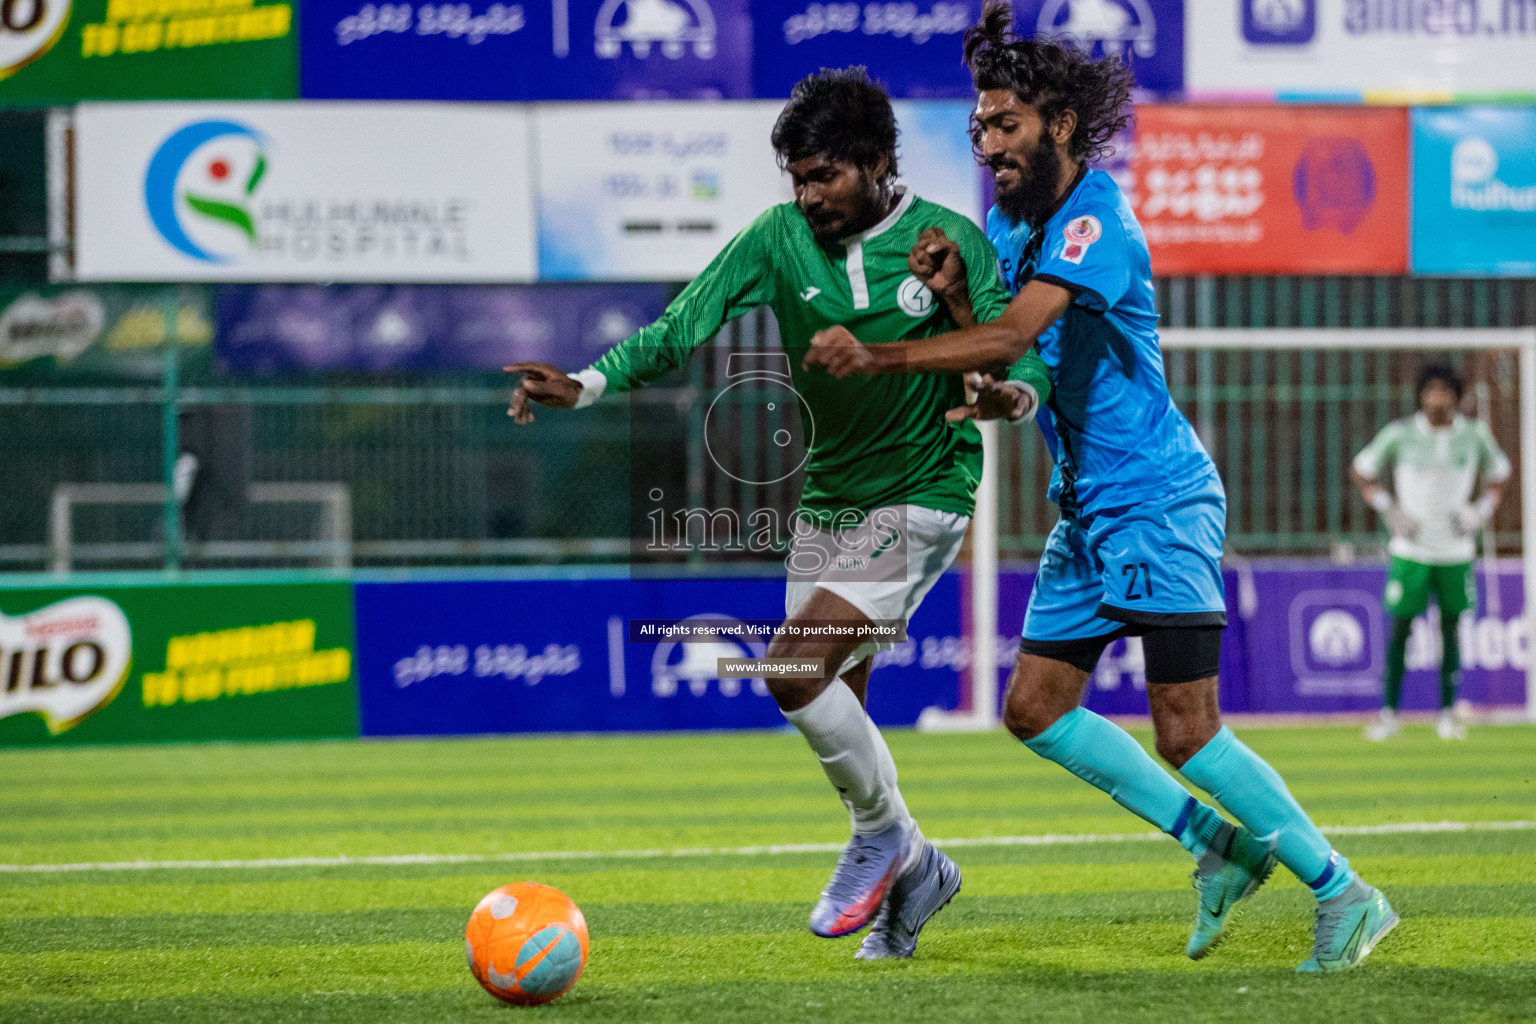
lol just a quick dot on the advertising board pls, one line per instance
(530, 50)
(100, 331)
(63, 51)
(659, 189)
(277, 328)
(176, 662)
(505, 656)
(913, 48)
(1376, 51)
(312, 192)
(1272, 190)
(1474, 191)
(1146, 34)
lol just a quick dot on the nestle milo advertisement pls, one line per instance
(183, 662)
(63, 51)
(53, 333)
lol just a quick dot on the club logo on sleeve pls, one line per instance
(64, 661)
(1080, 233)
(914, 297)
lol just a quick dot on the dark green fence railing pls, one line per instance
(437, 473)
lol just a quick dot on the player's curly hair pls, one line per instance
(1443, 373)
(838, 113)
(1051, 77)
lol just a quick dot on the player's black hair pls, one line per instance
(1051, 77)
(840, 114)
(1445, 373)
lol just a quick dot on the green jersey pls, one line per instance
(871, 441)
(1433, 473)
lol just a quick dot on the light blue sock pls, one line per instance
(1104, 755)
(1253, 791)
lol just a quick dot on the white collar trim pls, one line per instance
(902, 206)
(1422, 422)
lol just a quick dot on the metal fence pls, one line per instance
(1284, 426)
(436, 473)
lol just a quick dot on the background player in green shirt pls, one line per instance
(1434, 460)
(883, 462)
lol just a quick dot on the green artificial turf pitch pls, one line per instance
(1058, 931)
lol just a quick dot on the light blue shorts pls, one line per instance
(1153, 565)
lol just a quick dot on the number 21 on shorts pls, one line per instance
(1138, 580)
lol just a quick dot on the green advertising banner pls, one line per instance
(58, 334)
(176, 662)
(62, 51)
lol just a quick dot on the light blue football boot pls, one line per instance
(1348, 928)
(1230, 871)
(864, 874)
(915, 897)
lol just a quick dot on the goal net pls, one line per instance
(1283, 413)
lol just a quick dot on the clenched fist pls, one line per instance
(936, 261)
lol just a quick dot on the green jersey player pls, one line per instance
(1434, 461)
(890, 479)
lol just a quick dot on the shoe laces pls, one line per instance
(1329, 919)
(1327, 924)
(884, 922)
(858, 859)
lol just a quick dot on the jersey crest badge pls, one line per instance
(913, 297)
(1080, 233)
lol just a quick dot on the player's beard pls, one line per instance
(1031, 199)
(869, 210)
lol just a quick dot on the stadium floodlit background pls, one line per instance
(291, 243)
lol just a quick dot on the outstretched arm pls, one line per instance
(735, 281)
(990, 347)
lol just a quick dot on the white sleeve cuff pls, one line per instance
(1034, 400)
(593, 384)
(1365, 464)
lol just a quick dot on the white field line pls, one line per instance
(717, 851)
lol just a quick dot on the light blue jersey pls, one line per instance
(1114, 432)
(1138, 545)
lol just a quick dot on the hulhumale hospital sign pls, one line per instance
(328, 192)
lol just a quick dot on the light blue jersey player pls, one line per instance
(1137, 550)
(1143, 512)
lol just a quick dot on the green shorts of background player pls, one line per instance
(1410, 585)
(1433, 463)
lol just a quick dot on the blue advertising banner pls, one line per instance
(914, 48)
(1315, 637)
(1118, 686)
(278, 328)
(554, 655)
(536, 50)
(1146, 34)
(1474, 191)
(1311, 638)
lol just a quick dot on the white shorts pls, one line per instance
(884, 567)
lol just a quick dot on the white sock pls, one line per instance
(854, 756)
(899, 803)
